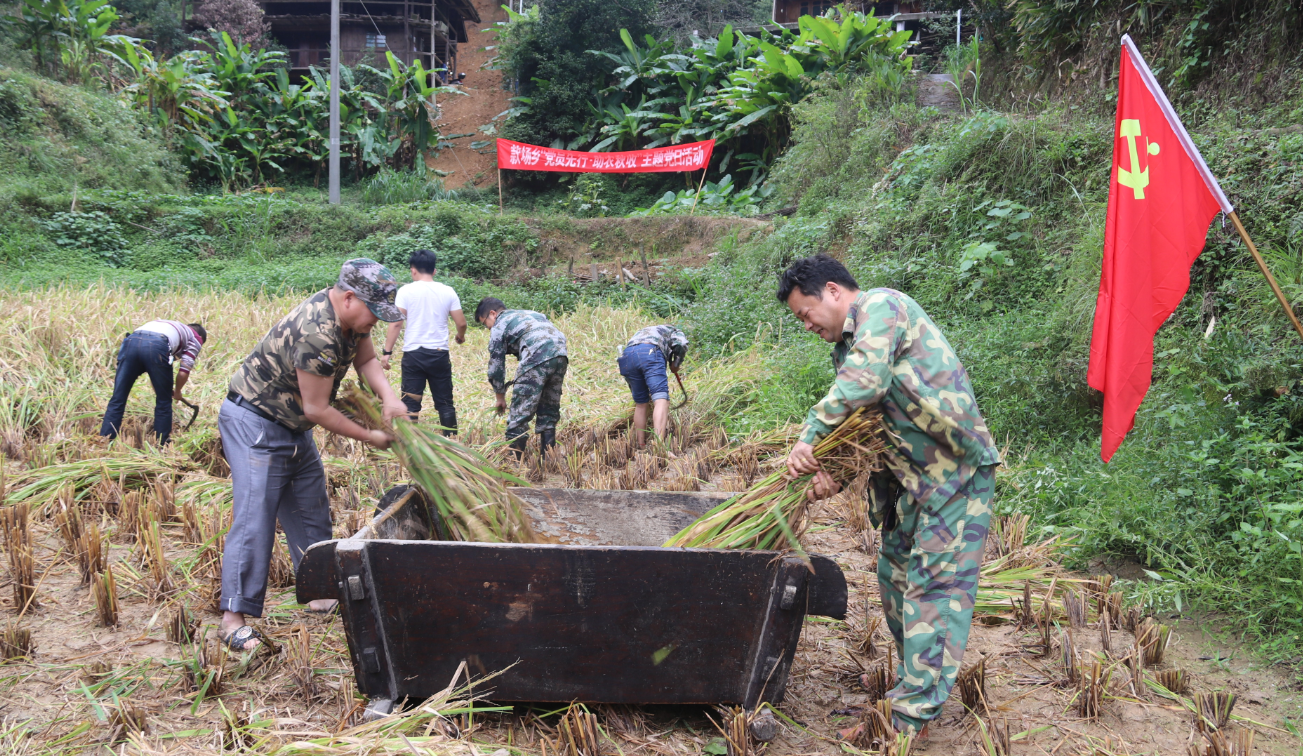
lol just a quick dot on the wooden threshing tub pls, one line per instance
(604, 615)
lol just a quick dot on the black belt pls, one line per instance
(240, 401)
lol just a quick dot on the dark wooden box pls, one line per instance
(592, 623)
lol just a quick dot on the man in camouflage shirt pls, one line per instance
(890, 355)
(643, 363)
(541, 350)
(282, 391)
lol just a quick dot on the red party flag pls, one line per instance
(1161, 200)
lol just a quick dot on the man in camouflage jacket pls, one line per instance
(643, 363)
(282, 391)
(541, 350)
(889, 354)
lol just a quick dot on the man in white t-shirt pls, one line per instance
(427, 305)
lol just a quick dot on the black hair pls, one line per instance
(424, 261)
(203, 334)
(811, 274)
(487, 307)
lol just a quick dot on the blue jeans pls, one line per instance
(141, 354)
(643, 368)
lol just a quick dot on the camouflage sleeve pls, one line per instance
(316, 355)
(497, 361)
(865, 376)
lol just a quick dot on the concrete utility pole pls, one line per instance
(333, 182)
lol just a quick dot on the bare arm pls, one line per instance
(391, 337)
(460, 321)
(315, 390)
(369, 369)
(181, 378)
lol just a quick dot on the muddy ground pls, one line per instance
(80, 673)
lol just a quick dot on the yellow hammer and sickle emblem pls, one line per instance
(1135, 179)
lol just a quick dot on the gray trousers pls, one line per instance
(276, 475)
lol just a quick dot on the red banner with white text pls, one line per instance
(680, 157)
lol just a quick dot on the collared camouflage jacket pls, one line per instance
(892, 354)
(527, 335)
(310, 339)
(671, 341)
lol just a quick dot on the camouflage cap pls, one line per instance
(373, 284)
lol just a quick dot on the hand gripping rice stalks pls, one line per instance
(772, 514)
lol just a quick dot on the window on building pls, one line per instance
(375, 41)
(815, 7)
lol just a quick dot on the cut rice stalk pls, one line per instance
(471, 495)
(772, 514)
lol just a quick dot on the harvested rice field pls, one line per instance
(112, 558)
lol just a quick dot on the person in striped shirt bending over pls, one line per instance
(150, 350)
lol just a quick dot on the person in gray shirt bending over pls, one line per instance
(150, 350)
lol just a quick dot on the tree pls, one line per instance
(557, 73)
(242, 19)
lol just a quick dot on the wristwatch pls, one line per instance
(386, 352)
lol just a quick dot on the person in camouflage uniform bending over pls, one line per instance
(933, 502)
(541, 349)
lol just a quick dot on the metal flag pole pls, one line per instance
(499, 191)
(1262, 266)
(333, 181)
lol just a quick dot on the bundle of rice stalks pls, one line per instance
(22, 562)
(16, 642)
(299, 662)
(1213, 710)
(154, 559)
(1007, 534)
(853, 505)
(737, 732)
(971, 682)
(1070, 658)
(1106, 632)
(203, 675)
(181, 626)
(131, 469)
(996, 738)
(1153, 638)
(1134, 667)
(1074, 607)
(879, 677)
(1175, 680)
(865, 646)
(1092, 685)
(126, 720)
(1111, 604)
(577, 733)
(1001, 586)
(129, 514)
(105, 591)
(772, 513)
(1239, 742)
(280, 572)
(164, 500)
(471, 495)
(875, 729)
(1131, 619)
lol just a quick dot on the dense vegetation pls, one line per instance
(992, 217)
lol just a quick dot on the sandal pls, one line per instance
(238, 639)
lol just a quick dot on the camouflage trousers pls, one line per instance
(928, 568)
(537, 394)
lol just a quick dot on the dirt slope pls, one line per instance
(484, 99)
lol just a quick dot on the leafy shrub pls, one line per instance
(391, 187)
(714, 198)
(94, 232)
